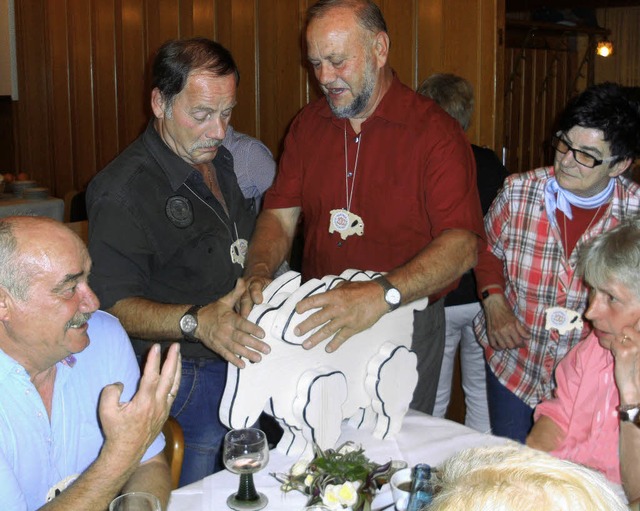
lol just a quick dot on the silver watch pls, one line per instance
(189, 323)
(391, 295)
(630, 413)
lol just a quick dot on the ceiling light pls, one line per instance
(605, 48)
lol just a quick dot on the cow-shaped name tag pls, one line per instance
(562, 319)
(346, 223)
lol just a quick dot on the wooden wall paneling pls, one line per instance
(497, 113)
(81, 88)
(401, 24)
(33, 122)
(185, 18)
(134, 100)
(486, 129)
(163, 22)
(430, 38)
(105, 90)
(61, 176)
(245, 53)
(528, 96)
(538, 118)
(550, 108)
(280, 70)
(461, 37)
(508, 111)
(88, 68)
(204, 19)
(516, 111)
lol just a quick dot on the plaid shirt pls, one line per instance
(529, 256)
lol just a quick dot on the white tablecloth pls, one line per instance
(50, 207)
(422, 439)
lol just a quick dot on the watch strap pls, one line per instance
(491, 291)
(629, 413)
(388, 287)
(192, 311)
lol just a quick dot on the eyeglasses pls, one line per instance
(561, 145)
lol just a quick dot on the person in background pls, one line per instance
(253, 165)
(594, 416)
(513, 477)
(532, 298)
(383, 179)
(455, 95)
(168, 229)
(78, 425)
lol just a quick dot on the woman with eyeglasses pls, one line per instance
(532, 298)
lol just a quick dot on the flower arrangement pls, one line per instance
(342, 478)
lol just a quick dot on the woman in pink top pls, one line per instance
(594, 418)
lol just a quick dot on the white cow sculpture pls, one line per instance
(370, 379)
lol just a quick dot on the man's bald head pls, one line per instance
(23, 239)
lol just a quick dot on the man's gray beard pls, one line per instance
(360, 102)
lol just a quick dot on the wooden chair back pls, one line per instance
(174, 448)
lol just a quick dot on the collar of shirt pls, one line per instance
(176, 170)
(390, 106)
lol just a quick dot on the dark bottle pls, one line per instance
(421, 489)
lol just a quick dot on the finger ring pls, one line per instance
(624, 339)
(171, 395)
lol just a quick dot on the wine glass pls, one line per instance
(135, 501)
(245, 452)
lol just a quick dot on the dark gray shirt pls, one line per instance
(157, 232)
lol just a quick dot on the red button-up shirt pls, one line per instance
(415, 178)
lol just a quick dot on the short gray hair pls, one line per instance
(367, 13)
(613, 255)
(453, 93)
(12, 275)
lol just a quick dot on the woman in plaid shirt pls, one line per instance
(533, 300)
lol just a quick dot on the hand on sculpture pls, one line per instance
(344, 311)
(503, 328)
(253, 295)
(130, 428)
(223, 330)
(626, 351)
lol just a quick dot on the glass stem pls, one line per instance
(247, 490)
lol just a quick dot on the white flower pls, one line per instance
(308, 480)
(340, 496)
(330, 497)
(348, 493)
(300, 467)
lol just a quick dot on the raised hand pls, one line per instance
(131, 427)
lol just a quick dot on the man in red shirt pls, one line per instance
(383, 179)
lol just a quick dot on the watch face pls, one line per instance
(393, 296)
(188, 323)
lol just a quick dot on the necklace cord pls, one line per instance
(349, 193)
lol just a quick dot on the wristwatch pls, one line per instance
(391, 295)
(491, 291)
(189, 323)
(630, 413)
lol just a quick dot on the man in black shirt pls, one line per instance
(168, 229)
